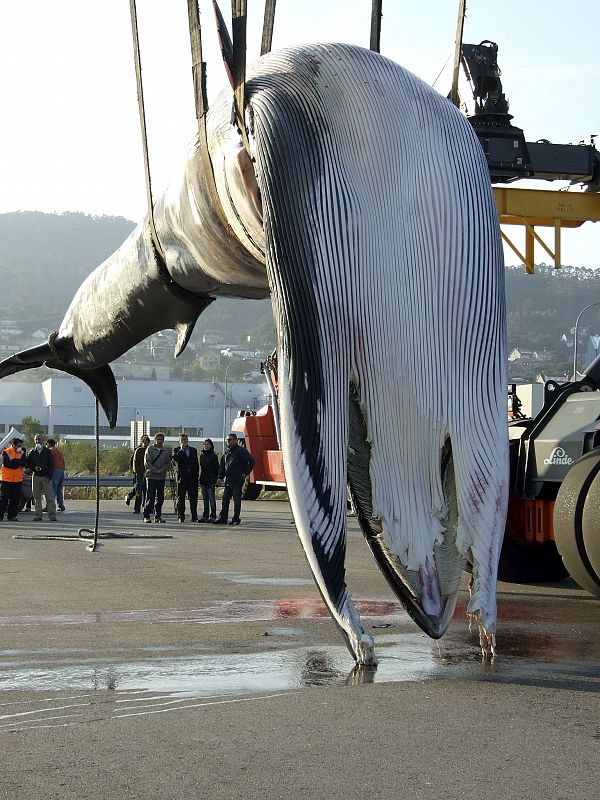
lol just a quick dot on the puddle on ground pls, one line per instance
(190, 674)
(62, 687)
(544, 644)
(403, 658)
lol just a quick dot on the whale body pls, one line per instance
(363, 208)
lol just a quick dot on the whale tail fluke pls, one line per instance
(100, 380)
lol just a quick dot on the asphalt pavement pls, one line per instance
(201, 663)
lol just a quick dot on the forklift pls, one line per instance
(553, 521)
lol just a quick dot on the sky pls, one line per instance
(70, 137)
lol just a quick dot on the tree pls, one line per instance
(115, 461)
(29, 427)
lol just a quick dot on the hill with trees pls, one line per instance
(44, 258)
(542, 310)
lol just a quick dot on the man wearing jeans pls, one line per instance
(157, 461)
(139, 470)
(58, 474)
(235, 466)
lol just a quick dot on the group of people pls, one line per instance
(45, 464)
(151, 464)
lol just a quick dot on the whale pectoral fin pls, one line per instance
(314, 425)
(185, 329)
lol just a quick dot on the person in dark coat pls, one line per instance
(41, 465)
(157, 462)
(209, 474)
(139, 470)
(185, 461)
(236, 464)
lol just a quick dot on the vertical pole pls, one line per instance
(529, 251)
(583, 310)
(224, 411)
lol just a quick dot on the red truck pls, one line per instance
(259, 432)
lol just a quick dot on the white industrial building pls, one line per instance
(66, 407)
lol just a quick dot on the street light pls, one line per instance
(591, 305)
(225, 405)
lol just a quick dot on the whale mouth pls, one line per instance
(54, 355)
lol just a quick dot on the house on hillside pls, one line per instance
(239, 353)
(527, 358)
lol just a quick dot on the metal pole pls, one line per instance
(591, 305)
(225, 406)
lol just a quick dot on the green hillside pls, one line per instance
(44, 258)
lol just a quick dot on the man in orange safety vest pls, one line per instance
(14, 460)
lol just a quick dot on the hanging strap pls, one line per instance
(140, 95)
(462, 8)
(239, 19)
(375, 25)
(268, 22)
(201, 103)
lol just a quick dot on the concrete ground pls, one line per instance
(204, 665)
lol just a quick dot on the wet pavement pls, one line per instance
(215, 644)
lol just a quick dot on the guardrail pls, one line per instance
(105, 480)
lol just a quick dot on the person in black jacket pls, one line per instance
(209, 473)
(136, 465)
(236, 464)
(185, 460)
(41, 465)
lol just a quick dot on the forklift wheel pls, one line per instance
(576, 519)
(251, 491)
